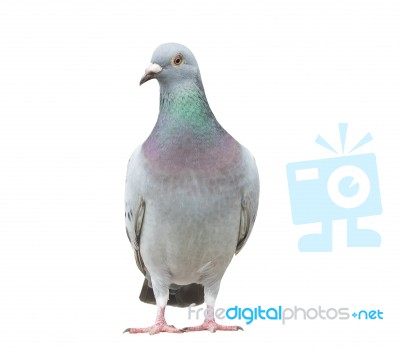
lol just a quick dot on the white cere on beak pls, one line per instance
(153, 68)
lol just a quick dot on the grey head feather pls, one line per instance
(171, 75)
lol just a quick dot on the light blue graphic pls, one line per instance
(344, 187)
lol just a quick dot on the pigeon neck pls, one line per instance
(185, 106)
(187, 135)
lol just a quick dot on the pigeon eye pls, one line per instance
(177, 60)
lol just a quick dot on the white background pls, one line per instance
(277, 74)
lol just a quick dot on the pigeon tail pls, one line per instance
(179, 296)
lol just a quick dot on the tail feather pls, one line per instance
(180, 296)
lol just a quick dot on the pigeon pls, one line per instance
(191, 195)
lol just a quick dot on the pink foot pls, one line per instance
(154, 329)
(159, 326)
(212, 326)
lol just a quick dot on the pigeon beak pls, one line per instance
(150, 73)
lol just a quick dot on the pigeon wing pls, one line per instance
(135, 208)
(249, 203)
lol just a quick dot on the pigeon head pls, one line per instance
(172, 64)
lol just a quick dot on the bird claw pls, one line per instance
(211, 326)
(155, 329)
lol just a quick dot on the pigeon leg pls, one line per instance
(160, 325)
(209, 323)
